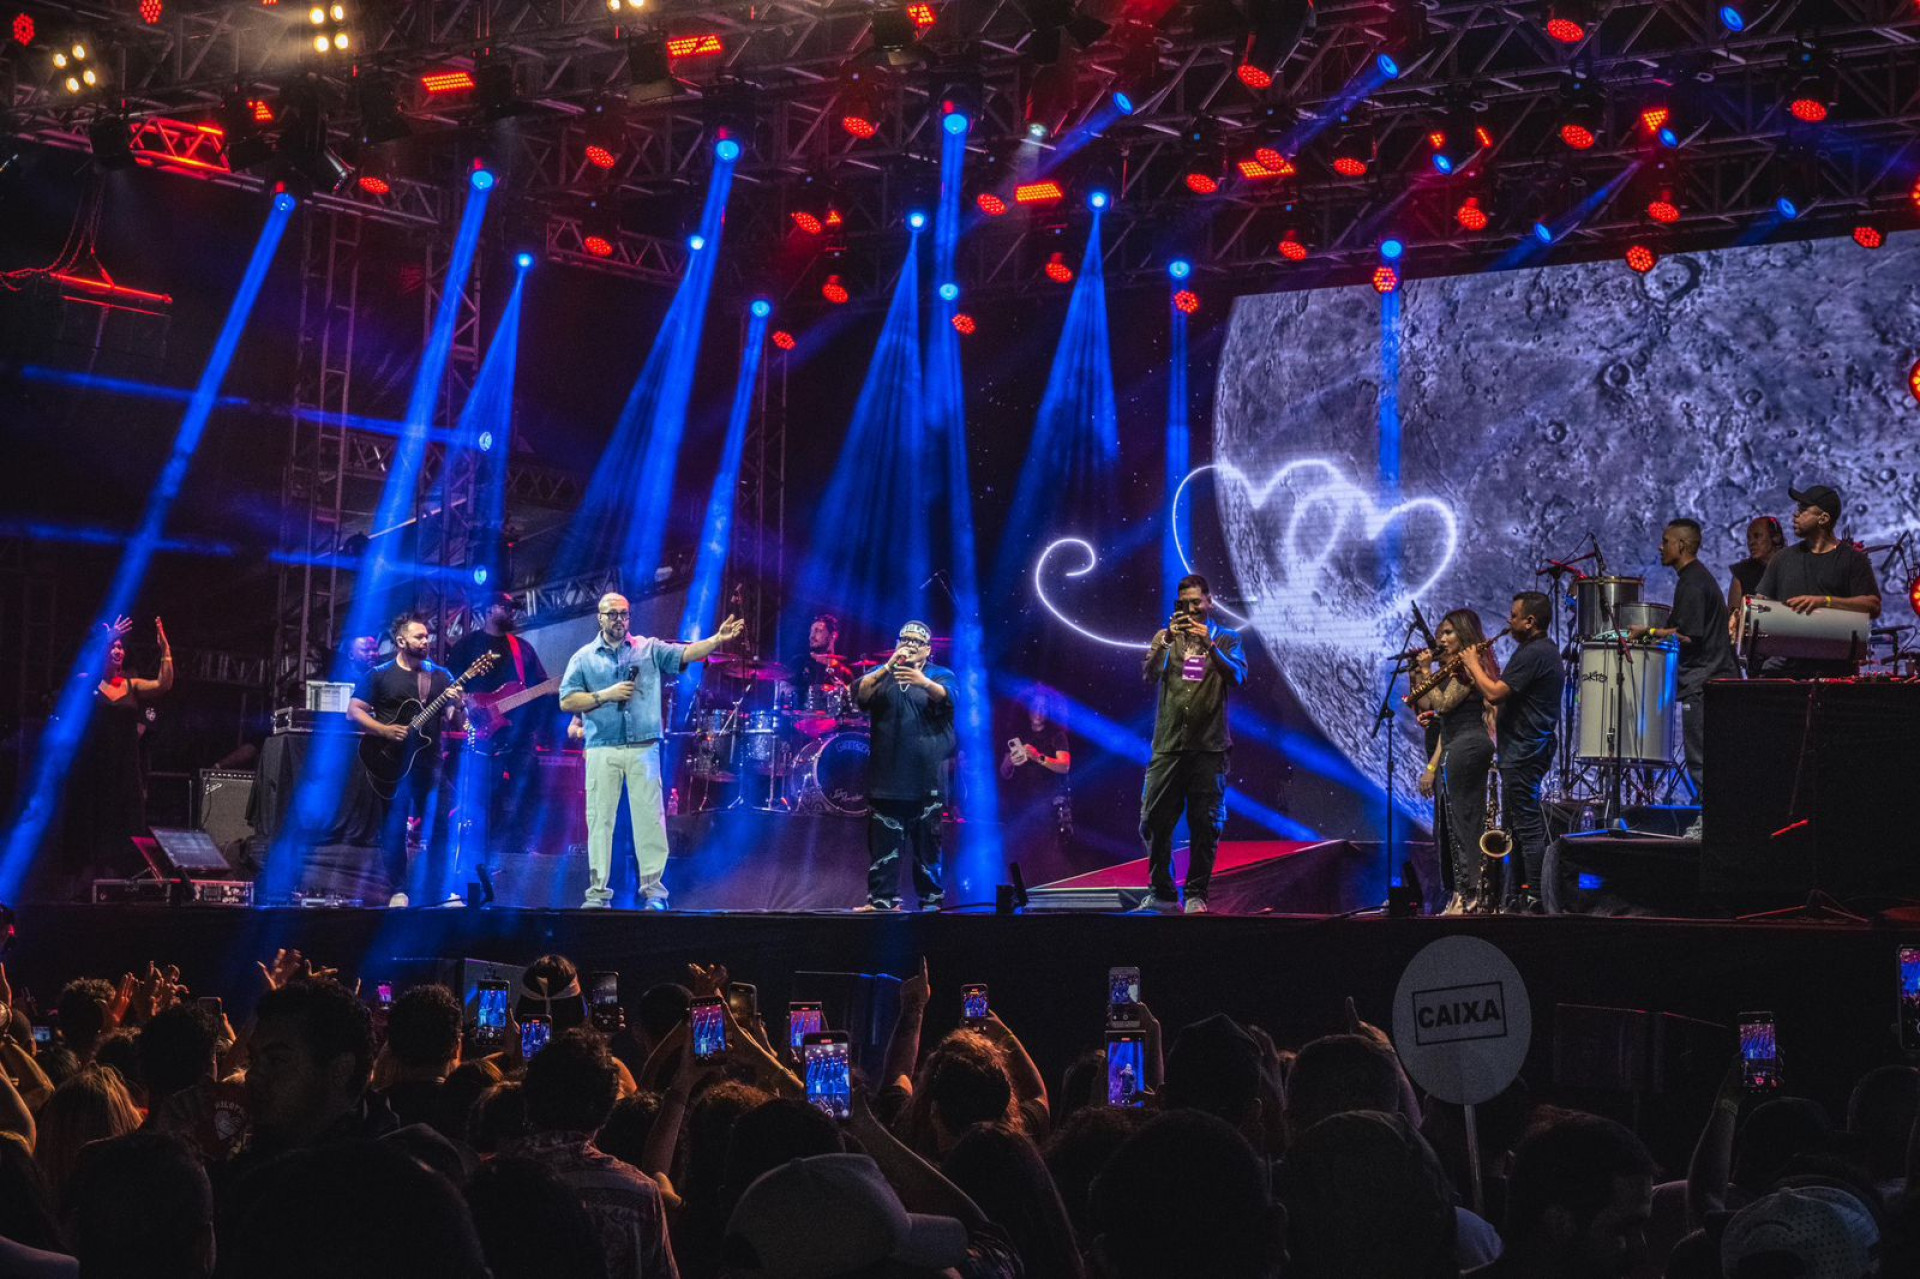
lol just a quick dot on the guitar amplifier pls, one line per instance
(173, 892)
(220, 807)
(298, 719)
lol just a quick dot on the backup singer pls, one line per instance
(410, 676)
(1035, 792)
(1462, 757)
(1821, 571)
(1698, 621)
(106, 802)
(1527, 700)
(613, 684)
(1194, 661)
(911, 702)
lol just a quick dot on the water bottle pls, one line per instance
(673, 803)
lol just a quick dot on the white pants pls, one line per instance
(639, 768)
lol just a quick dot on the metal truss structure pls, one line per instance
(776, 78)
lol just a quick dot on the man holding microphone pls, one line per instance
(911, 702)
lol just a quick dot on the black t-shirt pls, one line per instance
(1528, 716)
(912, 738)
(387, 686)
(807, 672)
(1794, 571)
(1031, 781)
(1747, 572)
(471, 646)
(1700, 617)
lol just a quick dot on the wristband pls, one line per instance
(1829, 601)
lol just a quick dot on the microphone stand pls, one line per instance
(1382, 717)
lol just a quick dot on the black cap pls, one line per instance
(1818, 495)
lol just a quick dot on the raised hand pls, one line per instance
(160, 635)
(730, 629)
(119, 627)
(917, 989)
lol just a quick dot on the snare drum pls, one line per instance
(830, 774)
(1628, 692)
(1599, 601)
(820, 707)
(760, 744)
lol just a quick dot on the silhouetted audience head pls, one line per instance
(1186, 1195)
(179, 1047)
(708, 1135)
(308, 1061)
(1083, 1083)
(771, 1134)
(361, 1208)
(1579, 1197)
(624, 1135)
(459, 1093)
(833, 1216)
(1337, 1074)
(1002, 1172)
(1365, 1195)
(84, 1005)
(572, 1085)
(91, 1106)
(550, 986)
(1077, 1151)
(120, 1050)
(26, 1210)
(140, 1207)
(498, 1119)
(963, 1082)
(532, 1224)
(1214, 1065)
(1880, 1114)
(659, 1009)
(1772, 1136)
(423, 1029)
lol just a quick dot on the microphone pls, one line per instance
(1420, 622)
(1893, 552)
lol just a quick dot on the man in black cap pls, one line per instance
(911, 702)
(1821, 571)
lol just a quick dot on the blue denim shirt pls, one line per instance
(645, 661)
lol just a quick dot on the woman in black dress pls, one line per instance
(1457, 773)
(107, 794)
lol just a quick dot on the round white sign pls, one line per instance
(1461, 1020)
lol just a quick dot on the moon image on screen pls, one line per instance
(1539, 411)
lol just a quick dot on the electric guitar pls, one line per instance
(485, 711)
(387, 761)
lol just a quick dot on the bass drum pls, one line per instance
(830, 774)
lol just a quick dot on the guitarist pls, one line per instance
(378, 696)
(507, 750)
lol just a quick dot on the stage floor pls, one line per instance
(1831, 987)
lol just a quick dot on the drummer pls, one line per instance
(1698, 621)
(822, 665)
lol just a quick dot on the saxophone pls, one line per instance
(1496, 841)
(1450, 668)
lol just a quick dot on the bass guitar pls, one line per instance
(387, 760)
(485, 711)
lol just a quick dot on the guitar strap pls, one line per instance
(423, 683)
(519, 661)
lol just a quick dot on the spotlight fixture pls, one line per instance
(1385, 279)
(703, 44)
(23, 29)
(963, 324)
(784, 340)
(810, 207)
(990, 204)
(496, 93)
(111, 138)
(649, 69)
(949, 292)
(958, 98)
(604, 139)
(1292, 248)
(1797, 186)
(1350, 148)
(1869, 236)
(304, 147)
(1582, 110)
(1277, 29)
(1733, 16)
(726, 150)
(1457, 139)
(1206, 161)
(835, 291)
(440, 83)
(1571, 21)
(1470, 215)
(760, 308)
(1407, 40)
(1913, 384)
(1057, 269)
(523, 260)
(151, 11)
(1641, 258)
(597, 245)
(1050, 20)
(1098, 200)
(1044, 193)
(1186, 301)
(372, 176)
(1663, 208)
(916, 220)
(326, 30)
(1810, 96)
(74, 68)
(1179, 268)
(863, 91)
(376, 95)
(240, 135)
(624, 7)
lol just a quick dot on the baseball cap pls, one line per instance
(1828, 1231)
(917, 631)
(1819, 495)
(832, 1215)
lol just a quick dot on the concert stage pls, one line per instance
(1831, 987)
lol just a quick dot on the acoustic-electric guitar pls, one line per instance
(388, 761)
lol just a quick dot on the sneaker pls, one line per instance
(1693, 831)
(876, 908)
(593, 903)
(1151, 905)
(654, 903)
(398, 902)
(1456, 905)
(928, 904)
(1196, 906)
(454, 902)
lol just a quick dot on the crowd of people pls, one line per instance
(146, 1132)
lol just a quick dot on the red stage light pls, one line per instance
(990, 204)
(1057, 269)
(1470, 215)
(1437, 139)
(447, 81)
(1385, 279)
(1914, 195)
(1292, 250)
(1641, 258)
(1577, 136)
(23, 28)
(1271, 158)
(701, 46)
(963, 323)
(150, 11)
(377, 186)
(598, 156)
(1913, 587)
(1349, 166)
(859, 126)
(834, 291)
(262, 113)
(808, 222)
(1258, 170)
(1202, 183)
(1868, 237)
(1653, 119)
(1253, 77)
(833, 218)
(1913, 384)
(922, 15)
(1039, 193)
(784, 340)
(598, 245)
(1186, 301)
(1808, 110)
(1566, 30)
(1663, 210)
(1485, 136)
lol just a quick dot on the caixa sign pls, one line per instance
(1452, 1013)
(1461, 1020)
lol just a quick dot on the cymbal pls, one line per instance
(738, 667)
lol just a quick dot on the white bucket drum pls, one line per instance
(1624, 704)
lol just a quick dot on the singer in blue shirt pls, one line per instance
(613, 683)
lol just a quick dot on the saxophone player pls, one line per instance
(1526, 701)
(1456, 776)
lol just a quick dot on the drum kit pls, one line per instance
(783, 747)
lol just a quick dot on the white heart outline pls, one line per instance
(1348, 494)
(1040, 589)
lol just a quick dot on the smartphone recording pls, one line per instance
(829, 1072)
(709, 1022)
(1759, 1053)
(1123, 998)
(490, 1025)
(973, 1002)
(535, 1033)
(804, 1017)
(1126, 1069)
(604, 1002)
(1909, 958)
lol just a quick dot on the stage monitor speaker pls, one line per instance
(220, 805)
(1806, 787)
